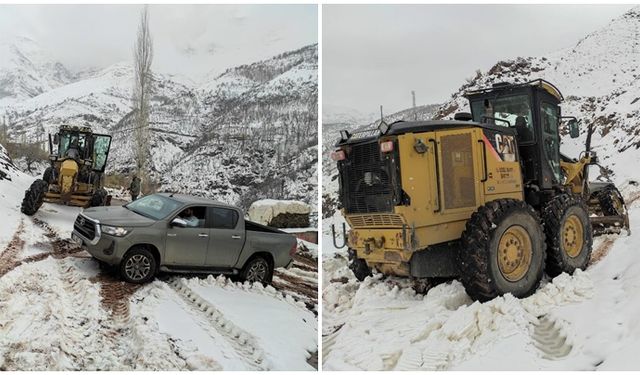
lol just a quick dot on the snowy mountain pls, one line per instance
(199, 132)
(27, 70)
(333, 114)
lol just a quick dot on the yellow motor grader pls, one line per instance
(487, 197)
(78, 159)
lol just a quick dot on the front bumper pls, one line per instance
(106, 248)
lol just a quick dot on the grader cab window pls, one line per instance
(515, 109)
(72, 145)
(550, 120)
(101, 145)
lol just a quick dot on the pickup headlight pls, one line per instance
(114, 231)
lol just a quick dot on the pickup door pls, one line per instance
(188, 246)
(226, 236)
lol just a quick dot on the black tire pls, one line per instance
(360, 269)
(480, 271)
(257, 269)
(561, 216)
(47, 175)
(145, 261)
(34, 197)
(611, 201)
(98, 198)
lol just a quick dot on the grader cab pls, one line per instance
(78, 158)
(486, 197)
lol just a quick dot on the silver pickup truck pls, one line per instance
(181, 233)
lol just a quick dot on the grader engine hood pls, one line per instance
(68, 171)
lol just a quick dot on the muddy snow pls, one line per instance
(59, 311)
(585, 321)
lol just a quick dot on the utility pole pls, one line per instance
(415, 114)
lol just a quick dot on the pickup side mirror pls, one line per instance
(178, 222)
(574, 132)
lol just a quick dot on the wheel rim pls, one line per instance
(137, 267)
(514, 253)
(257, 271)
(572, 236)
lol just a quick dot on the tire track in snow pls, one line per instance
(10, 253)
(550, 340)
(243, 343)
(115, 295)
(122, 342)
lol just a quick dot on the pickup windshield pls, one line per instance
(154, 206)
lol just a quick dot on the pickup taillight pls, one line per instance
(294, 248)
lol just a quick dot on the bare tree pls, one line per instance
(4, 131)
(143, 56)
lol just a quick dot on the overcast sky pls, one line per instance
(377, 54)
(188, 39)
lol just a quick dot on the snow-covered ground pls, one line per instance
(582, 322)
(59, 311)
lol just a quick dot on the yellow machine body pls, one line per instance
(440, 179)
(67, 189)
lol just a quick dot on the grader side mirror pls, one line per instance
(56, 139)
(574, 131)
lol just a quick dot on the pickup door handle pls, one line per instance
(236, 237)
(203, 235)
(171, 234)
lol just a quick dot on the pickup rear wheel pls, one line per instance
(257, 269)
(138, 266)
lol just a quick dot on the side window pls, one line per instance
(223, 218)
(550, 119)
(101, 145)
(194, 216)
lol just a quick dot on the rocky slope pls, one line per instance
(225, 138)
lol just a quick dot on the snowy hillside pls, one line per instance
(587, 321)
(268, 109)
(259, 132)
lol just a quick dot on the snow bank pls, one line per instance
(13, 183)
(219, 324)
(582, 322)
(272, 212)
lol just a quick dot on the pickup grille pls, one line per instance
(85, 227)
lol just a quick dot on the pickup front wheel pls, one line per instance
(257, 269)
(138, 266)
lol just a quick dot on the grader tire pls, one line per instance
(360, 269)
(568, 233)
(34, 197)
(503, 250)
(98, 198)
(47, 175)
(611, 202)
